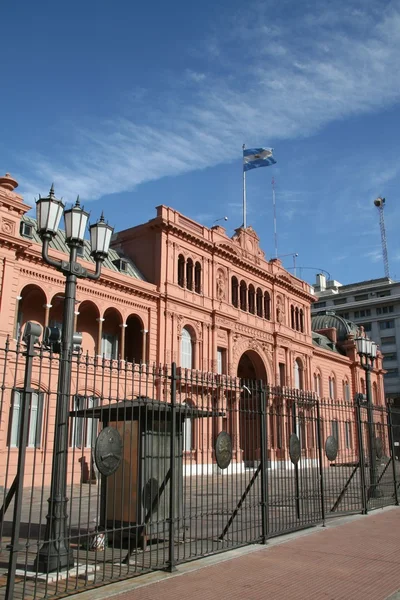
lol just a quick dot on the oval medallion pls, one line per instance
(108, 451)
(331, 447)
(223, 449)
(294, 448)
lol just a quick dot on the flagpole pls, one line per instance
(274, 205)
(244, 192)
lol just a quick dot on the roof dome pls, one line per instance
(343, 326)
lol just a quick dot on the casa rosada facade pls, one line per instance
(171, 290)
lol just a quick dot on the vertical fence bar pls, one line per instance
(392, 451)
(296, 466)
(361, 459)
(23, 442)
(264, 464)
(172, 482)
(321, 466)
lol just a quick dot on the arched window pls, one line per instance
(317, 384)
(189, 274)
(296, 314)
(186, 349)
(243, 295)
(301, 320)
(235, 292)
(346, 391)
(188, 429)
(259, 300)
(181, 270)
(292, 315)
(332, 391)
(298, 374)
(197, 278)
(267, 306)
(374, 393)
(252, 308)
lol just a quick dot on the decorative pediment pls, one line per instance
(249, 243)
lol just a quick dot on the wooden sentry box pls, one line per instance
(135, 500)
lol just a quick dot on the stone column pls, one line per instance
(47, 308)
(18, 299)
(100, 321)
(122, 345)
(144, 333)
(76, 313)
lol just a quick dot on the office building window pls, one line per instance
(367, 326)
(390, 356)
(388, 340)
(384, 310)
(361, 297)
(386, 324)
(360, 314)
(392, 373)
(319, 305)
(338, 301)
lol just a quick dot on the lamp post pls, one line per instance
(55, 553)
(367, 350)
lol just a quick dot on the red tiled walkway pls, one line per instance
(355, 560)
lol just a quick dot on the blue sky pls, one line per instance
(134, 104)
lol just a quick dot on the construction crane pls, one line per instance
(380, 203)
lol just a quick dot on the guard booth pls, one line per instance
(133, 456)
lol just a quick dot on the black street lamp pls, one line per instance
(55, 553)
(367, 350)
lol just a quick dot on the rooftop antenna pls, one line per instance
(380, 203)
(294, 255)
(274, 205)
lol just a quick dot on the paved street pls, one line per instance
(355, 558)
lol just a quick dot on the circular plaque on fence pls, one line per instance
(223, 449)
(378, 447)
(331, 447)
(294, 448)
(108, 451)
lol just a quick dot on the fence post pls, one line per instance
(361, 459)
(392, 451)
(296, 466)
(172, 481)
(33, 331)
(321, 468)
(264, 462)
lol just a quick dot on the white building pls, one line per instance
(375, 304)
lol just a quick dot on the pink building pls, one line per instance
(172, 290)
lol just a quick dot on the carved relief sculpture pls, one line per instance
(220, 286)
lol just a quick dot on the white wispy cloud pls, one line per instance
(374, 255)
(319, 74)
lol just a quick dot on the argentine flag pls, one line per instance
(257, 157)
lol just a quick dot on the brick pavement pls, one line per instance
(357, 560)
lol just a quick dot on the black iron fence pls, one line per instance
(166, 465)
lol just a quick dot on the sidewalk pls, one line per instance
(356, 558)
